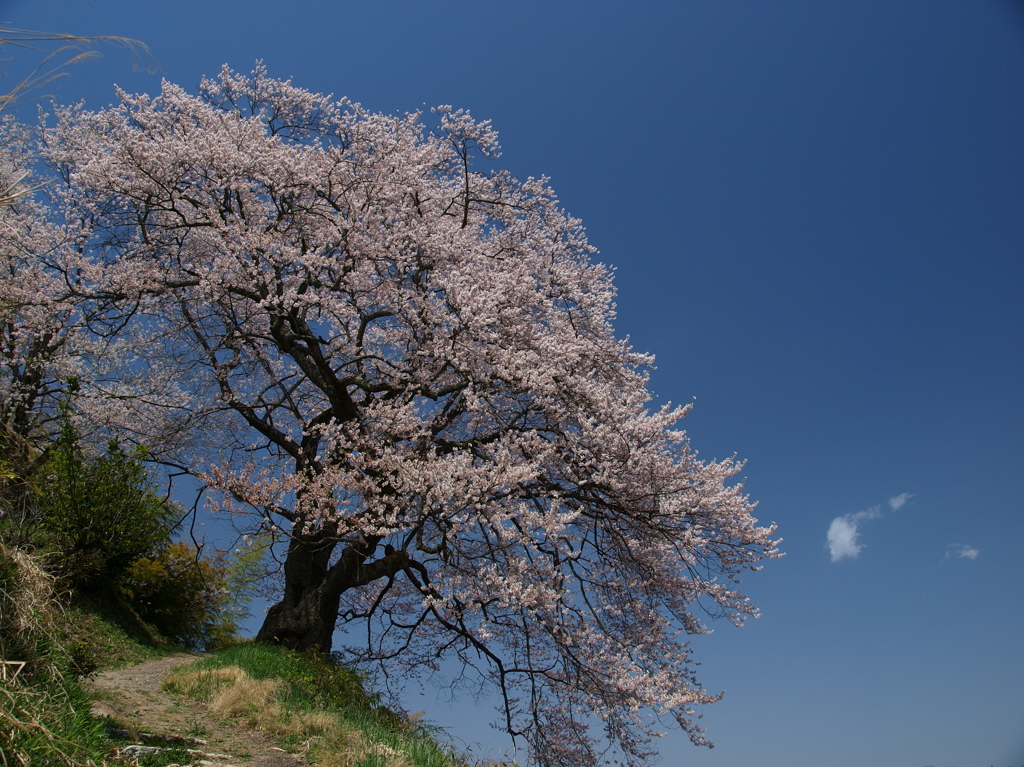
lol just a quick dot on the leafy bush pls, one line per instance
(192, 599)
(98, 514)
(182, 595)
(106, 535)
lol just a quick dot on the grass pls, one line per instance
(165, 758)
(313, 706)
(44, 714)
(49, 723)
(93, 641)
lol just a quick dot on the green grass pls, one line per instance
(312, 705)
(93, 642)
(48, 722)
(166, 757)
(44, 713)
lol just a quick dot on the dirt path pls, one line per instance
(132, 696)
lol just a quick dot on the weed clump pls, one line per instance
(28, 621)
(44, 715)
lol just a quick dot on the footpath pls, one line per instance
(155, 719)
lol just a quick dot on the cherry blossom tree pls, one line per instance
(41, 321)
(59, 340)
(44, 318)
(405, 366)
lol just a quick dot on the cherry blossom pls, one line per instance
(42, 337)
(402, 362)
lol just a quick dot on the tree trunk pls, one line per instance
(307, 624)
(305, 617)
(307, 614)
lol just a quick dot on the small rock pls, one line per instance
(134, 752)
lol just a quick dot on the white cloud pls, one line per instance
(898, 502)
(842, 533)
(961, 551)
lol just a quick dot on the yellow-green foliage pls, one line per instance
(182, 595)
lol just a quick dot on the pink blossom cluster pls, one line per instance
(404, 365)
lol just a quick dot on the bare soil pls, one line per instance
(132, 697)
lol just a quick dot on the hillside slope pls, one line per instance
(133, 697)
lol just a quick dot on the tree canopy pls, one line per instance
(404, 367)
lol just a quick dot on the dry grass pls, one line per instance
(326, 739)
(231, 693)
(28, 616)
(247, 698)
(40, 718)
(70, 49)
(350, 747)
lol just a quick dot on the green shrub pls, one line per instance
(182, 595)
(19, 497)
(106, 536)
(97, 514)
(194, 600)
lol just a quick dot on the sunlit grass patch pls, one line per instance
(314, 706)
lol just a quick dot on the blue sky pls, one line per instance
(816, 213)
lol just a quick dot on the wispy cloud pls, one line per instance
(842, 533)
(896, 503)
(961, 551)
